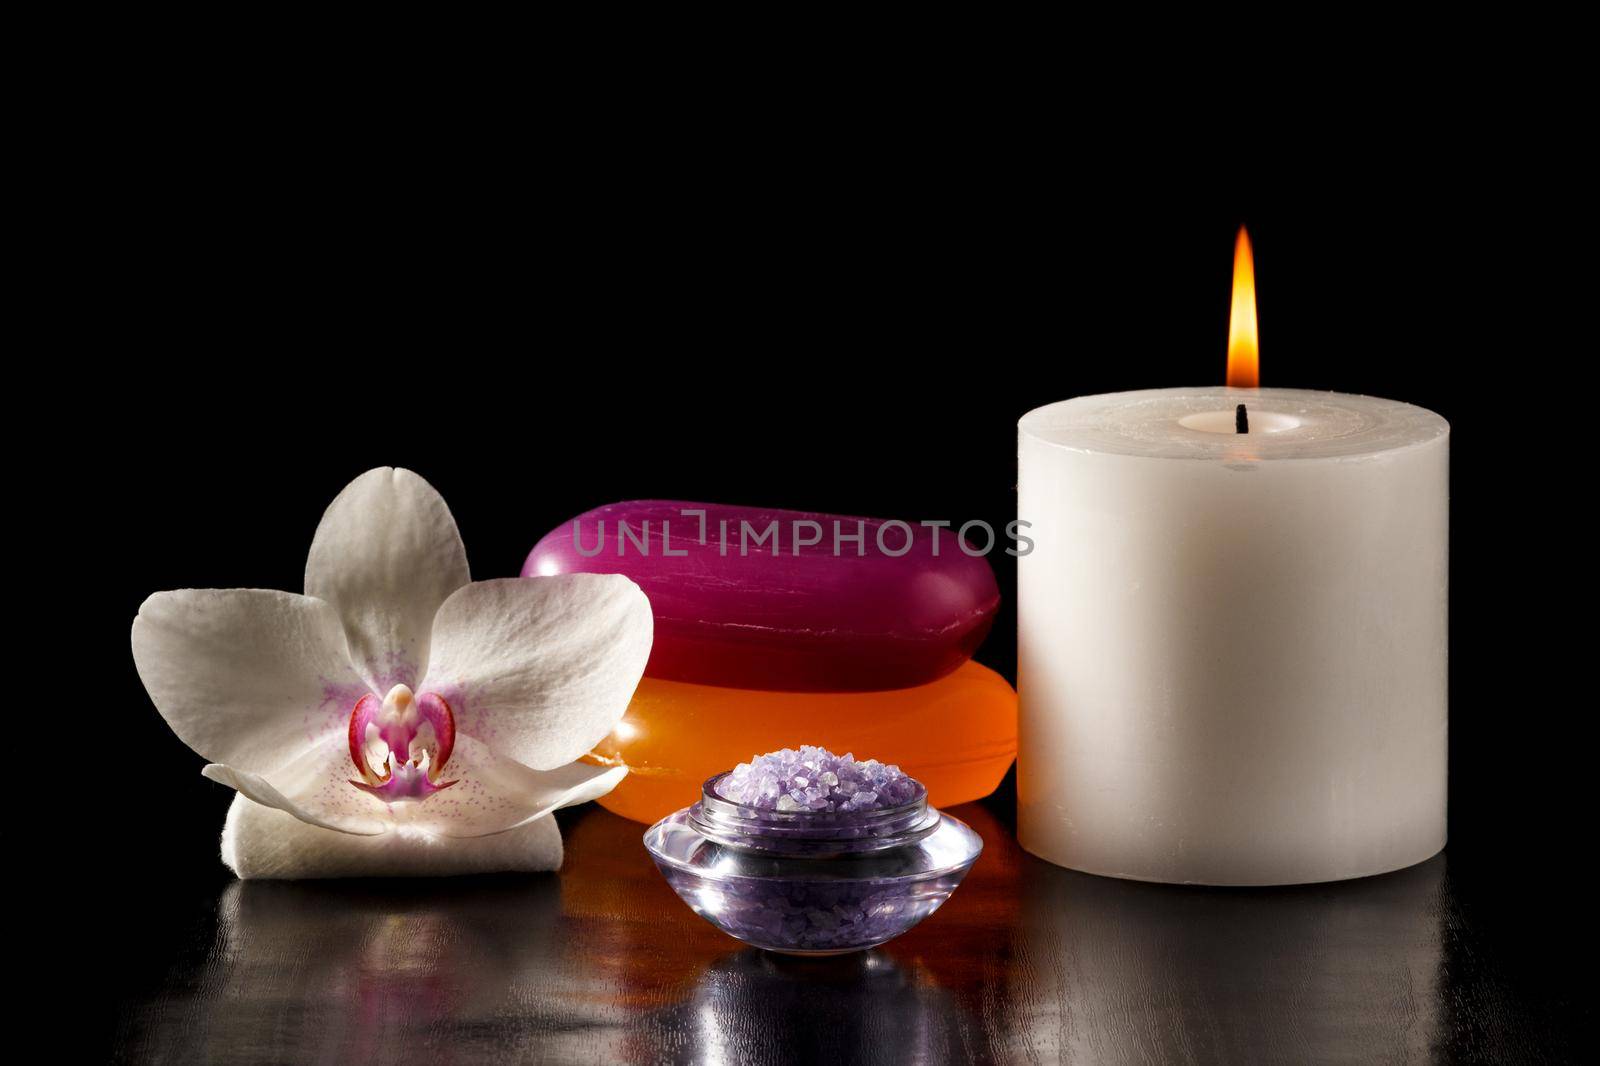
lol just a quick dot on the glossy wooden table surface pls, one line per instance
(1026, 963)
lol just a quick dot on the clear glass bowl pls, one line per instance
(812, 882)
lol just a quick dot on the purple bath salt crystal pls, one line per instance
(815, 779)
(875, 864)
(822, 916)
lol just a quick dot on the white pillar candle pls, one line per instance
(1232, 645)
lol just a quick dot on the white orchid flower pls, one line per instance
(397, 707)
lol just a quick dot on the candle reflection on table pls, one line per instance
(1113, 969)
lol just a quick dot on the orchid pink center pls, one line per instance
(400, 744)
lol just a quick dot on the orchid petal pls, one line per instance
(262, 791)
(244, 676)
(488, 794)
(315, 787)
(386, 555)
(541, 667)
(493, 794)
(261, 843)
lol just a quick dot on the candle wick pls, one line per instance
(1241, 420)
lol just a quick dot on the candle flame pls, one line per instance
(1244, 343)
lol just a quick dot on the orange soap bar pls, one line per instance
(956, 735)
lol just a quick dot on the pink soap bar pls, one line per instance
(791, 600)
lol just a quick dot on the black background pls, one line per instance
(855, 332)
(873, 362)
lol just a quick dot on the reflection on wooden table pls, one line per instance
(1026, 962)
